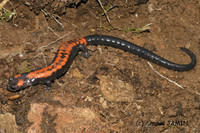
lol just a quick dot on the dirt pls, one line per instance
(112, 90)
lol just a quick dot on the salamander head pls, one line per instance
(19, 82)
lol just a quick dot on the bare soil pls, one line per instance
(112, 90)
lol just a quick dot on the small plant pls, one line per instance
(6, 15)
(138, 30)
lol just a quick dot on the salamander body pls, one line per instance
(68, 51)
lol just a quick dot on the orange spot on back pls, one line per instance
(31, 75)
(59, 62)
(54, 70)
(63, 63)
(58, 66)
(66, 58)
(46, 74)
(74, 44)
(40, 75)
(83, 41)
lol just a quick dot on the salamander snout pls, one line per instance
(12, 84)
(17, 83)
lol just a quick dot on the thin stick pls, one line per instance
(164, 76)
(58, 21)
(53, 31)
(47, 13)
(49, 28)
(54, 41)
(104, 11)
(3, 3)
(45, 62)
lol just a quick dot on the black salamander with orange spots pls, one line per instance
(68, 51)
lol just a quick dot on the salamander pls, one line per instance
(68, 51)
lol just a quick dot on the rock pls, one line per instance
(115, 90)
(8, 123)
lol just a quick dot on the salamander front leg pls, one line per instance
(48, 85)
(84, 50)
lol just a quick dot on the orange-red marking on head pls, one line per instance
(17, 76)
(20, 82)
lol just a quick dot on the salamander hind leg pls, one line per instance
(84, 50)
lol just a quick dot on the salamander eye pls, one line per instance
(11, 78)
(11, 87)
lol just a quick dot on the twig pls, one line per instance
(49, 28)
(42, 56)
(127, 107)
(54, 41)
(53, 31)
(164, 76)
(52, 16)
(58, 22)
(104, 12)
(92, 14)
(112, 7)
(3, 3)
(171, 80)
(144, 28)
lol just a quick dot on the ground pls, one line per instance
(112, 90)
